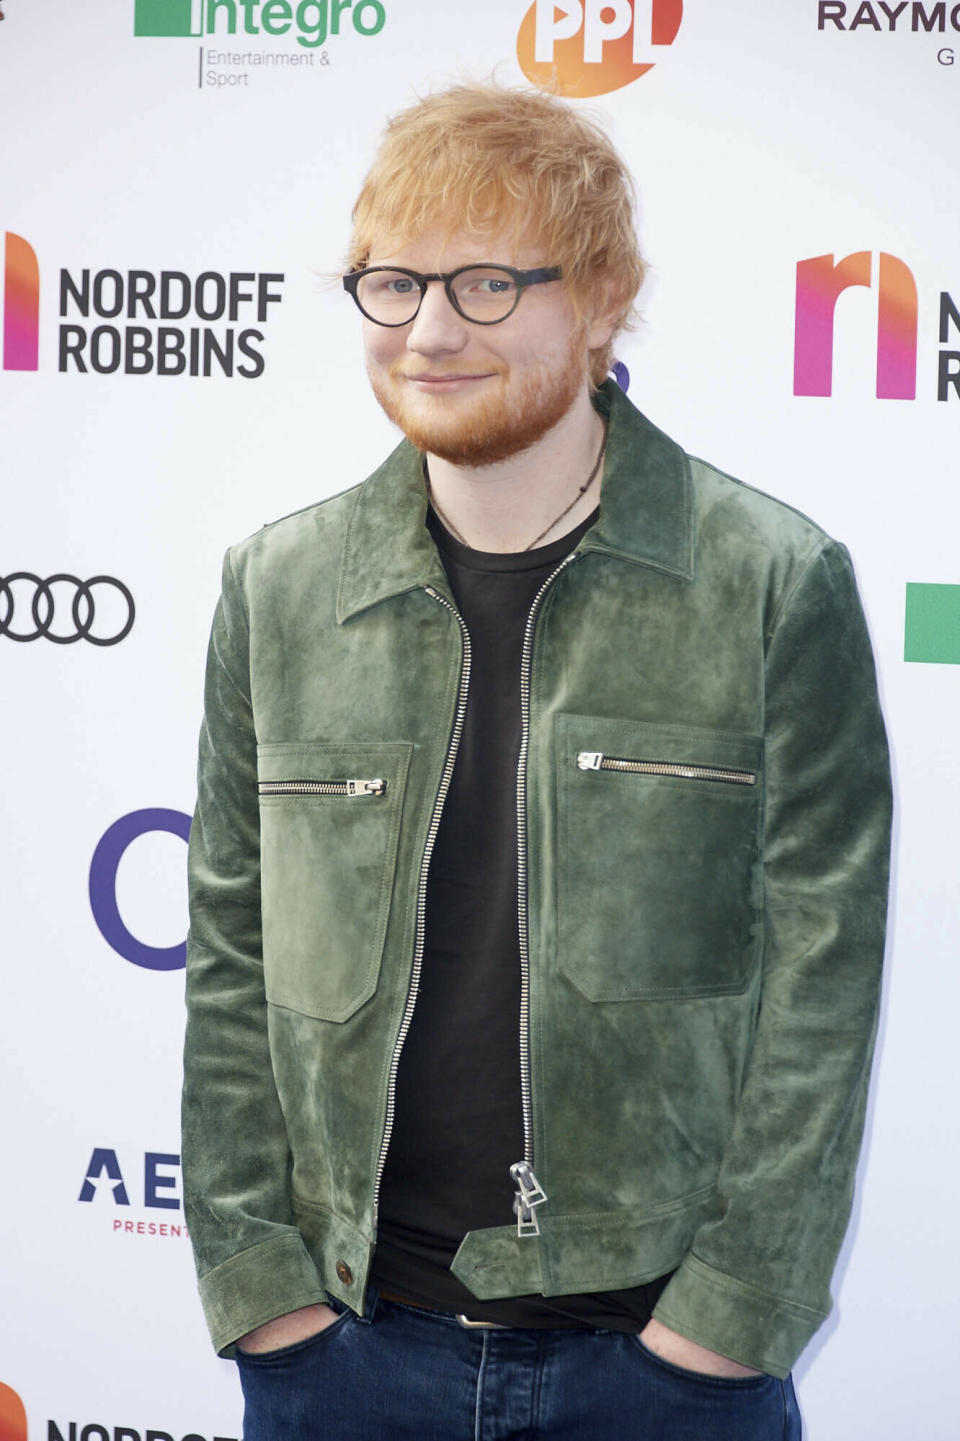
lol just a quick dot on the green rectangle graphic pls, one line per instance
(168, 17)
(932, 625)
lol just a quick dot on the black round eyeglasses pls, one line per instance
(483, 294)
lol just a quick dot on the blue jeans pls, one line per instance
(403, 1374)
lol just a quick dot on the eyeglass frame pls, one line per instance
(521, 278)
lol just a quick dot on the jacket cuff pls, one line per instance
(258, 1285)
(736, 1319)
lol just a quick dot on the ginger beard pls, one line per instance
(504, 417)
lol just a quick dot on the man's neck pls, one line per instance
(504, 507)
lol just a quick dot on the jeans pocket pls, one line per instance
(302, 1348)
(761, 1381)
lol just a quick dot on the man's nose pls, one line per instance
(437, 328)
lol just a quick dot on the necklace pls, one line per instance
(547, 529)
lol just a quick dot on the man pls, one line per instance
(538, 873)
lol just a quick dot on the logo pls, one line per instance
(21, 306)
(13, 1418)
(144, 297)
(93, 1431)
(168, 295)
(820, 283)
(78, 614)
(931, 631)
(590, 47)
(13, 1426)
(948, 368)
(104, 1184)
(103, 1174)
(103, 887)
(915, 17)
(312, 22)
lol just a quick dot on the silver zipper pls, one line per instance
(529, 1193)
(376, 787)
(597, 761)
(422, 895)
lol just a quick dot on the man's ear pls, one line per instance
(602, 315)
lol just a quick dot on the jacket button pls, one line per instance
(344, 1272)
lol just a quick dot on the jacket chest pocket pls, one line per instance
(659, 885)
(329, 829)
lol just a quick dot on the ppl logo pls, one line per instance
(596, 46)
(110, 851)
(13, 1418)
(820, 282)
(21, 308)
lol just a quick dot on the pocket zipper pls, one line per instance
(376, 787)
(597, 761)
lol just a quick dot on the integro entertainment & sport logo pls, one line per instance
(821, 280)
(310, 22)
(259, 33)
(590, 47)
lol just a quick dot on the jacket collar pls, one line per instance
(645, 513)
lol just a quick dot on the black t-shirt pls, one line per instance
(458, 1123)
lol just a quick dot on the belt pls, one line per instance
(462, 1320)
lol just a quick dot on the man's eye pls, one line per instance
(493, 285)
(399, 285)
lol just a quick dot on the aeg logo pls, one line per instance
(104, 1168)
(596, 46)
(21, 307)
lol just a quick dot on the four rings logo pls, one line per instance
(63, 608)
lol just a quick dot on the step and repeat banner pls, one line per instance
(179, 366)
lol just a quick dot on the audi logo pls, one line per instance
(78, 611)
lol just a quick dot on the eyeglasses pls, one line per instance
(483, 294)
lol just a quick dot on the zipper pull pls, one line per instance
(529, 1194)
(590, 760)
(366, 788)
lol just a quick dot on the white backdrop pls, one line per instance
(761, 137)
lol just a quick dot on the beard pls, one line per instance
(479, 430)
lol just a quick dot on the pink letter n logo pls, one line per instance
(21, 305)
(820, 283)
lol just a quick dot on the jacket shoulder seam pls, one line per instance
(819, 550)
(763, 494)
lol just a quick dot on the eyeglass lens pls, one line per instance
(484, 293)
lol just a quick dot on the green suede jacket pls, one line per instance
(704, 812)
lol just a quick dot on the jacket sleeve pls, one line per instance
(251, 1260)
(755, 1284)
